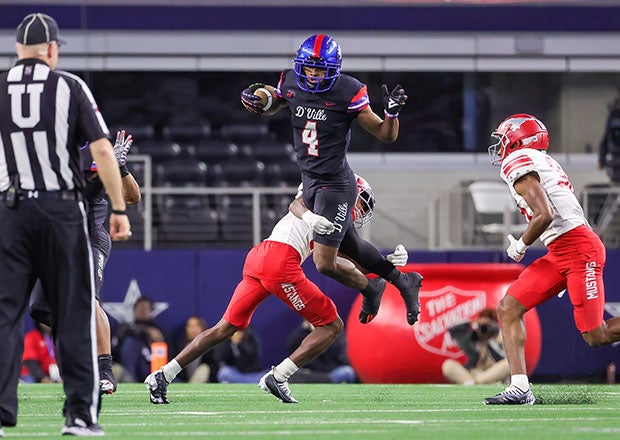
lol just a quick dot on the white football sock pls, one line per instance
(171, 369)
(284, 370)
(521, 381)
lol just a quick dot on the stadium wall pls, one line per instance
(201, 282)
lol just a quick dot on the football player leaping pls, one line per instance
(274, 267)
(323, 105)
(576, 255)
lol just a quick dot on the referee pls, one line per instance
(44, 116)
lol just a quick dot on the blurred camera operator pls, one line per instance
(481, 342)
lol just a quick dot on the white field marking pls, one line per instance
(232, 434)
(313, 422)
(597, 430)
(317, 422)
(32, 434)
(284, 433)
(498, 408)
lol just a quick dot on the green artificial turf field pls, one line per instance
(227, 411)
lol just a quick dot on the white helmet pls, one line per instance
(362, 211)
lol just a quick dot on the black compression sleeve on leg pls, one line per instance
(368, 256)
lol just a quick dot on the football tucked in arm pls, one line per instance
(267, 96)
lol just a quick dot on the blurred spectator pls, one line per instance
(481, 342)
(332, 366)
(39, 359)
(239, 358)
(204, 369)
(135, 339)
(609, 149)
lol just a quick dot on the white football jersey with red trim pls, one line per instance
(568, 213)
(294, 232)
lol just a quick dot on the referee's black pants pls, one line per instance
(48, 239)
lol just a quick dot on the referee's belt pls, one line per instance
(24, 194)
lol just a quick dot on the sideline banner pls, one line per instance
(388, 350)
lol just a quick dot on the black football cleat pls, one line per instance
(372, 301)
(410, 293)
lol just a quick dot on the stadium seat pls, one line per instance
(139, 132)
(236, 222)
(186, 132)
(271, 151)
(215, 150)
(239, 172)
(245, 132)
(182, 172)
(159, 150)
(285, 173)
(187, 222)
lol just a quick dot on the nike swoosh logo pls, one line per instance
(330, 104)
(392, 103)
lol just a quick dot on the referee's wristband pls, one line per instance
(119, 211)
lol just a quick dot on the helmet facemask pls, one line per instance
(364, 205)
(497, 151)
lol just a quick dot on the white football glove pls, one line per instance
(122, 146)
(318, 223)
(516, 248)
(399, 257)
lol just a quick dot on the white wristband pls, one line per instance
(269, 98)
(520, 246)
(307, 217)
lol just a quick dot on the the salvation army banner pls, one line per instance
(388, 350)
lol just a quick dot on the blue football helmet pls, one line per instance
(323, 52)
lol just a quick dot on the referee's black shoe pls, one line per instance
(157, 385)
(80, 428)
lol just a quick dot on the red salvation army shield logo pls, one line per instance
(388, 350)
(441, 309)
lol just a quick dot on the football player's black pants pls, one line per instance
(367, 255)
(47, 238)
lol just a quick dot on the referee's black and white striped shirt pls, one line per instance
(44, 116)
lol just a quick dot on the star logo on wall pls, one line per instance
(123, 311)
(613, 308)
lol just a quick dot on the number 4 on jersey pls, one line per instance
(310, 137)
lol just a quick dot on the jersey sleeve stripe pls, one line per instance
(518, 161)
(360, 100)
(279, 86)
